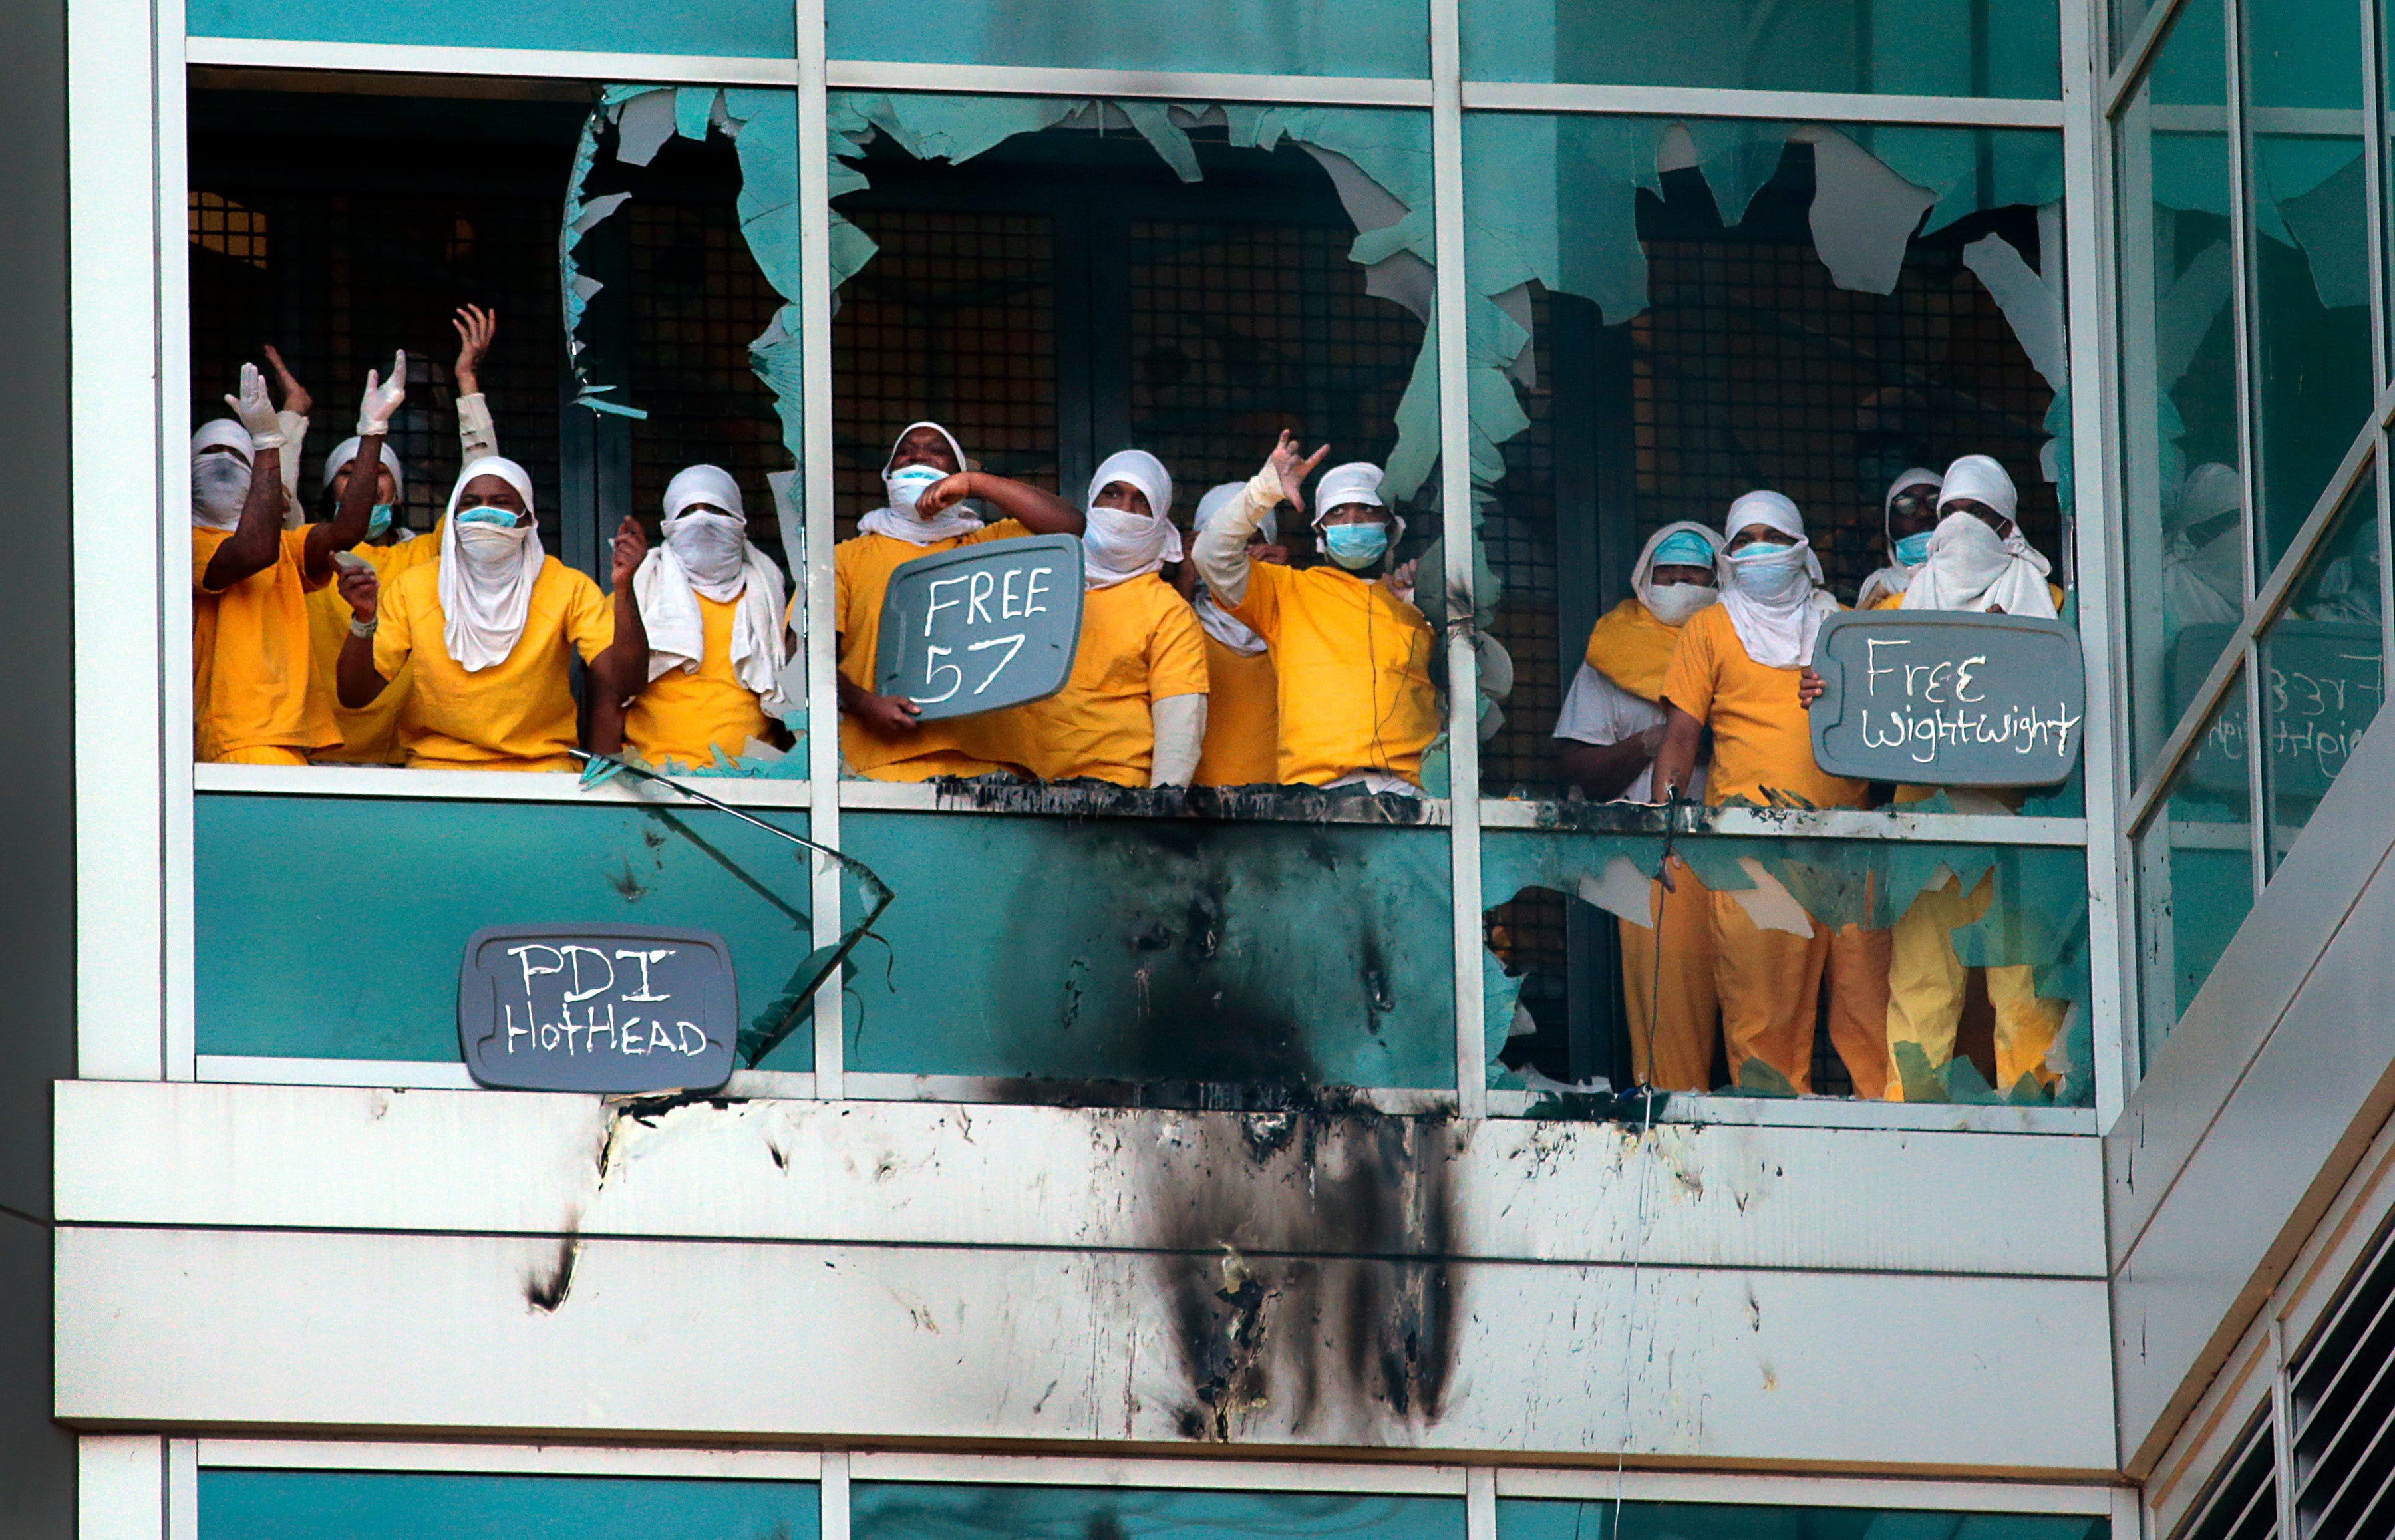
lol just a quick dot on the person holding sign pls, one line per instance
(713, 609)
(250, 578)
(927, 481)
(1607, 734)
(1906, 514)
(1735, 670)
(487, 628)
(1351, 660)
(1133, 711)
(1242, 693)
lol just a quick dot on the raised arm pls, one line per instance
(1221, 551)
(348, 525)
(297, 404)
(255, 543)
(623, 668)
(477, 435)
(1041, 512)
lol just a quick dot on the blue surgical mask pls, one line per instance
(908, 484)
(1913, 549)
(1771, 574)
(378, 520)
(1356, 547)
(483, 513)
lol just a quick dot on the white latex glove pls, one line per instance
(382, 397)
(256, 412)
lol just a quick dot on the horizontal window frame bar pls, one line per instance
(1675, 101)
(664, 1462)
(436, 1075)
(2139, 55)
(1840, 823)
(891, 1465)
(430, 786)
(1671, 1486)
(1720, 1111)
(441, 59)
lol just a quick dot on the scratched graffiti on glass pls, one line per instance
(2326, 685)
(1951, 700)
(982, 627)
(596, 1008)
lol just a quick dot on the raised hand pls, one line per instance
(256, 411)
(382, 397)
(476, 327)
(362, 589)
(295, 398)
(1293, 468)
(944, 493)
(631, 547)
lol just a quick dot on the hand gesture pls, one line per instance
(1808, 688)
(632, 549)
(476, 326)
(256, 412)
(890, 713)
(382, 397)
(1293, 468)
(295, 398)
(362, 589)
(1401, 579)
(944, 493)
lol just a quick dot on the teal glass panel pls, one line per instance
(1536, 1519)
(2183, 488)
(1149, 950)
(1924, 971)
(332, 926)
(1311, 37)
(735, 29)
(2325, 657)
(881, 1510)
(2309, 235)
(1925, 48)
(348, 1504)
(2127, 17)
(2195, 868)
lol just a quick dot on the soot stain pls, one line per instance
(545, 1290)
(628, 886)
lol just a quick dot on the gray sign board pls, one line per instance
(1938, 698)
(614, 1009)
(982, 627)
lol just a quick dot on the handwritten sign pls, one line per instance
(2326, 682)
(612, 1009)
(982, 627)
(1937, 698)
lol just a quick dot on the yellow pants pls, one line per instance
(263, 757)
(1924, 1001)
(1768, 982)
(1683, 1020)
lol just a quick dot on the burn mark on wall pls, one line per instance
(546, 1288)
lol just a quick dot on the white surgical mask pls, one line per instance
(1117, 544)
(488, 548)
(1771, 575)
(1674, 603)
(219, 486)
(712, 547)
(907, 485)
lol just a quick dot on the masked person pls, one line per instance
(487, 628)
(1242, 693)
(250, 576)
(1133, 711)
(1606, 736)
(2203, 559)
(1351, 660)
(927, 483)
(1906, 514)
(713, 609)
(1736, 670)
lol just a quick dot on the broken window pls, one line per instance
(745, 29)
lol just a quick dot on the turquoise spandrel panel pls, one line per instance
(730, 29)
(1538, 1519)
(331, 927)
(889, 1510)
(1388, 38)
(347, 1505)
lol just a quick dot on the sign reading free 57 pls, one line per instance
(981, 626)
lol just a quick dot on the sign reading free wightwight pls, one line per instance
(981, 626)
(1941, 698)
(614, 1009)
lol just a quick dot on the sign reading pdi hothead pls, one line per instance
(613, 1008)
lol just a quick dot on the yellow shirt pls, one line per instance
(1762, 737)
(861, 569)
(370, 735)
(250, 655)
(683, 717)
(1352, 664)
(1242, 720)
(516, 715)
(1140, 644)
(1629, 645)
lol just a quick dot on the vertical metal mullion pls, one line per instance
(2258, 780)
(2374, 192)
(823, 687)
(172, 171)
(2282, 1431)
(2240, 249)
(1480, 1503)
(831, 1494)
(1455, 507)
(2378, 478)
(2083, 226)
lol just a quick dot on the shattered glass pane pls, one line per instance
(2195, 868)
(348, 1504)
(1926, 47)
(892, 1511)
(1315, 37)
(2325, 666)
(740, 29)
(1533, 1519)
(2182, 530)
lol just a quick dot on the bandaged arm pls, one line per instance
(477, 435)
(1222, 549)
(1179, 723)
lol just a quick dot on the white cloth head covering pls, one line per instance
(487, 572)
(1356, 481)
(2209, 490)
(706, 552)
(346, 450)
(1777, 634)
(1970, 566)
(1235, 634)
(1983, 480)
(1641, 575)
(1896, 575)
(217, 493)
(1117, 544)
(905, 524)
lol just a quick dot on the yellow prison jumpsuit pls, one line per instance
(1632, 649)
(1924, 976)
(1242, 718)
(375, 733)
(685, 716)
(1768, 980)
(251, 703)
(516, 715)
(1140, 644)
(861, 569)
(1351, 664)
